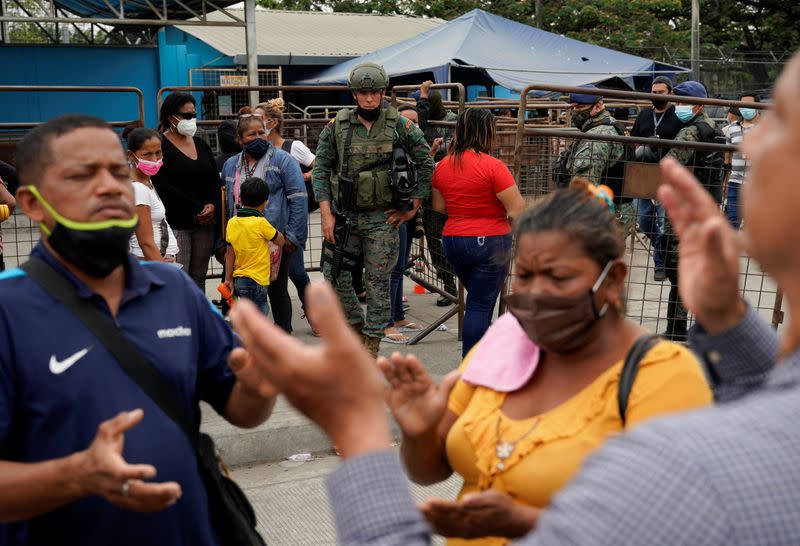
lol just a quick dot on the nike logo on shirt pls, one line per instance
(59, 367)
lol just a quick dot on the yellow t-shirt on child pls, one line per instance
(250, 236)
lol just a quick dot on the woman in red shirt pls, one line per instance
(478, 194)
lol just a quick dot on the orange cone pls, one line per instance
(419, 289)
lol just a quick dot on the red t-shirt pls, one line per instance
(469, 190)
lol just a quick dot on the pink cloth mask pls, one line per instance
(504, 359)
(150, 168)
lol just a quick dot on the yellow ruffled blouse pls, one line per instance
(670, 379)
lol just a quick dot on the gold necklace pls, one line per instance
(504, 449)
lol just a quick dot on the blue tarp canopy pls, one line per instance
(512, 54)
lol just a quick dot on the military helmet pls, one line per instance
(368, 77)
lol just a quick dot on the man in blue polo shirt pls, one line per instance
(86, 457)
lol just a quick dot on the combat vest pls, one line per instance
(370, 159)
(708, 166)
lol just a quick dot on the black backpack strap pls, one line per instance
(287, 145)
(630, 369)
(132, 361)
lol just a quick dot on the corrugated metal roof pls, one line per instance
(317, 34)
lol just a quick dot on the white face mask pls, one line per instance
(267, 132)
(187, 127)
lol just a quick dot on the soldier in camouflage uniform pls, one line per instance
(372, 131)
(599, 162)
(694, 119)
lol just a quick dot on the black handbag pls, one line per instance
(232, 515)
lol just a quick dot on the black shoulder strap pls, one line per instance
(287, 145)
(630, 369)
(135, 365)
(705, 130)
(346, 150)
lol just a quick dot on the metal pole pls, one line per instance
(252, 50)
(696, 40)
(539, 14)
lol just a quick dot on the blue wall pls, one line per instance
(179, 52)
(77, 65)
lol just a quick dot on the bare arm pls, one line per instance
(230, 262)
(420, 407)
(438, 201)
(253, 398)
(512, 201)
(279, 239)
(144, 234)
(424, 456)
(309, 175)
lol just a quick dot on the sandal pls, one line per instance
(409, 327)
(395, 338)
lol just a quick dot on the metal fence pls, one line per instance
(530, 146)
(537, 148)
(231, 93)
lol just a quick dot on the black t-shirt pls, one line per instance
(186, 185)
(650, 123)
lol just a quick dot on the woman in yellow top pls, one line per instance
(542, 390)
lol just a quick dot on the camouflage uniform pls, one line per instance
(676, 312)
(591, 159)
(371, 236)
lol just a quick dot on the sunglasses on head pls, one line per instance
(187, 115)
(243, 116)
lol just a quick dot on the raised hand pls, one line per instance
(708, 252)
(107, 474)
(417, 402)
(336, 383)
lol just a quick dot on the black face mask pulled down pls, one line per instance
(369, 115)
(96, 248)
(558, 324)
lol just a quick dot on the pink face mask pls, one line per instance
(150, 168)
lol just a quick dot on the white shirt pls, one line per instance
(147, 196)
(302, 154)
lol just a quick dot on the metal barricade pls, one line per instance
(536, 150)
(19, 234)
(431, 270)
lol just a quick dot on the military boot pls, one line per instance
(373, 345)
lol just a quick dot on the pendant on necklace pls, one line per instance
(503, 451)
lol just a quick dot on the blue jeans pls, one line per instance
(249, 289)
(298, 275)
(650, 217)
(396, 282)
(481, 264)
(732, 208)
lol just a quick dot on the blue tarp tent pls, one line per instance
(511, 54)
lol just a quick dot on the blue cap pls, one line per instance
(416, 94)
(691, 89)
(583, 98)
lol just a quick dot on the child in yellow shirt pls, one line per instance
(248, 234)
